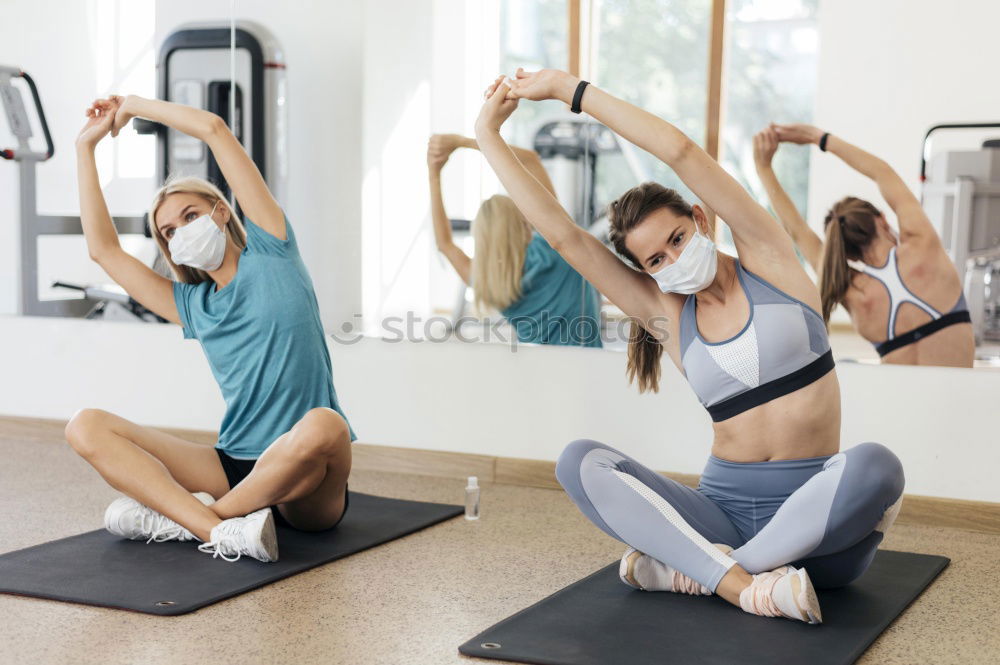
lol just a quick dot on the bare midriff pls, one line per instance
(805, 423)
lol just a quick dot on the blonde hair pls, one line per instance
(501, 235)
(211, 194)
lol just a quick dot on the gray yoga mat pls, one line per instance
(98, 568)
(599, 620)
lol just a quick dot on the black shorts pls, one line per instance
(238, 469)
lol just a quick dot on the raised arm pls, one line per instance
(765, 144)
(634, 292)
(437, 156)
(753, 228)
(913, 221)
(529, 158)
(139, 280)
(241, 173)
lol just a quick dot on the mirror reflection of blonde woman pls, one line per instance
(243, 292)
(902, 291)
(515, 270)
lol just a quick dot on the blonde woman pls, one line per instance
(243, 292)
(515, 270)
(902, 291)
(779, 505)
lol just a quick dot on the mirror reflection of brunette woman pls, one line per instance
(901, 290)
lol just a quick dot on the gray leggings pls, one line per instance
(827, 514)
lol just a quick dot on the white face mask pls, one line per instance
(693, 270)
(199, 244)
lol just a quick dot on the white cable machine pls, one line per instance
(961, 194)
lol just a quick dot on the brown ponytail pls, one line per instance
(624, 214)
(850, 228)
(644, 353)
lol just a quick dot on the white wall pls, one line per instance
(482, 398)
(888, 70)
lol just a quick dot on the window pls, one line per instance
(654, 54)
(770, 76)
(533, 35)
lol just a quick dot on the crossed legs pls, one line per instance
(304, 472)
(835, 520)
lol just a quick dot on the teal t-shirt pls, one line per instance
(264, 341)
(557, 305)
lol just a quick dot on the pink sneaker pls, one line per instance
(642, 571)
(784, 592)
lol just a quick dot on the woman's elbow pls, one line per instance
(102, 255)
(679, 149)
(99, 256)
(214, 125)
(562, 242)
(882, 171)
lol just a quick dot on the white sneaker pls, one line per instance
(784, 592)
(642, 571)
(128, 518)
(251, 536)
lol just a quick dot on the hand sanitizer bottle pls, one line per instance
(472, 499)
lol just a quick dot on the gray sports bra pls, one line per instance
(782, 347)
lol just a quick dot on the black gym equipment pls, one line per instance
(197, 68)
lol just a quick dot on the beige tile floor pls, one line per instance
(413, 600)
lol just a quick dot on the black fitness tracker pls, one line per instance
(578, 96)
(822, 141)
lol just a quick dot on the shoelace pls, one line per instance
(757, 598)
(165, 534)
(229, 539)
(160, 527)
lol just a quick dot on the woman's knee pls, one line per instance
(84, 429)
(571, 459)
(882, 470)
(321, 432)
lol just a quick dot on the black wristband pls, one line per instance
(822, 141)
(578, 96)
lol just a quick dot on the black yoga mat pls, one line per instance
(98, 568)
(599, 620)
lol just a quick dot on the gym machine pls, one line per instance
(961, 194)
